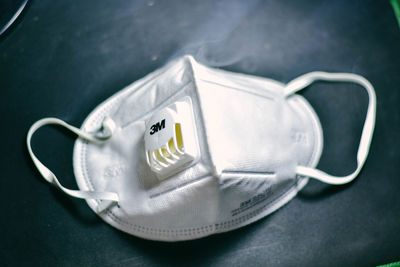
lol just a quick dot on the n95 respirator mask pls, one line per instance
(189, 151)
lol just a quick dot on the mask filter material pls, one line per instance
(189, 151)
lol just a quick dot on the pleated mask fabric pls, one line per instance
(246, 145)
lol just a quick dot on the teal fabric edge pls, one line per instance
(396, 8)
(393, 264)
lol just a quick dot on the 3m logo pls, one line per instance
(157, 127)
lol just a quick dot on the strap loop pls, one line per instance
(367, 132)
(107, 130)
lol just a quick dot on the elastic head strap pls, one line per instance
(368, 129)
(107, 127)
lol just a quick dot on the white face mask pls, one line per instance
(190, 151)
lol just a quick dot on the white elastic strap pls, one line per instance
(368, 129)
(108, 128)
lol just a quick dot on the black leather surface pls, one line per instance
(63, 58)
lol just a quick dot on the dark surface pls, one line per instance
(63, 58)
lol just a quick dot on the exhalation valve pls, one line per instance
(171, 140)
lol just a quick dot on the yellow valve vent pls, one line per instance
(171, 140)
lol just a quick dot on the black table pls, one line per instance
(63, 58)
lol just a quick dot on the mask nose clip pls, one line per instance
(171, 140)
